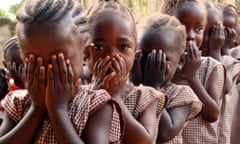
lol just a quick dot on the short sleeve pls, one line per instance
(16, 104)
(180, 95)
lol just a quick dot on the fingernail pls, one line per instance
(68, 61)
(60, 55)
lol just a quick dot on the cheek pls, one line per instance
(199, 39)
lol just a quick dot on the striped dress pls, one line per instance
(84, 104)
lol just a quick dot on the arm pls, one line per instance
(139, 131)
(24, 131)
(98, 126)
(63, 128)
(209, 97)
(172, 122)
(27, 128)
(59, 92)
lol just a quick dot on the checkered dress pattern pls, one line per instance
(229, 119)
(140, 98)
(84, 104)
(180, 95)
(199, 131)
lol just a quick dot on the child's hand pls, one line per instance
(17, 73)
(156, 69)
(193, 61)
(230, 37)
(101, 70)
(115, 82)
(35, 80)
(217, 38)
(60, 87)
(136, 72)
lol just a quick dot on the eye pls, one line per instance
(199, 29)
(124, 47)
(99, 47)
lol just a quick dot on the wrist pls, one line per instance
(37, 109)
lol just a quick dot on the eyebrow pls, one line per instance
(99, 40)
(125, 38)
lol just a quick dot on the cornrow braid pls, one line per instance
(159, 22)
(170, 6)
(114, 5)
(12, 44)
(44, 11)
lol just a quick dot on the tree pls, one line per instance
(3, 13)
(14, 8)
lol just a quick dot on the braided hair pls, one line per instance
(10, 45)
(159, 22)
(44, 11)
(170, 6)
(113, 5)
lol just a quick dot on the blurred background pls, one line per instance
(140, 8)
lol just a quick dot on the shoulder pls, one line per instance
(180, 95)
(16, 104)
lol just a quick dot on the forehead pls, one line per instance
(162, 40)
(45, 40)
(112, 24)
(230, 21)
(213, 17)
(191, 11)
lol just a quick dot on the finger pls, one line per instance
(37, 72)
(190, 52)
(218, 29)
(106, 69)
(95, 68)
(104, 62)
(62, 68)
(42, 78)
(50, 78)
(222, 30)
(117, 65)
(70, 72)
(153, 59)
(13, 68)
(55, 67)
(107, 80)
(31, 66)
(163, 64)
(147, 65)
(159, 59)
(19, 71)
(26, 61)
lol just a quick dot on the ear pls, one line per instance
(87, 52)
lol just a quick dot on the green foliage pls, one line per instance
(14, 8)
(3, 13)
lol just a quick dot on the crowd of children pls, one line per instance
(97, 76)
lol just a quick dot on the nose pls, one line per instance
(191, 35)
(112, 52)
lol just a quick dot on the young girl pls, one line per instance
(110, 58)
(11, 76)
(13, 63)
(203, 79)
(230, 22)
(163, 41)
(53, 110)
